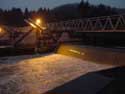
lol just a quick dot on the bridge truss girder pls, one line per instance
(115, 23)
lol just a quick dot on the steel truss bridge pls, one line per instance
(114, 23)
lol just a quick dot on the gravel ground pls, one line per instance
(36, 74)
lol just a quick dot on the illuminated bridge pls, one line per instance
(89, 31)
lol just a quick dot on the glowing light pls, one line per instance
(40, 24)
(32, 25)
(38, 21)
(76, 52)
(1, 29)
(36, 24)
(44, 28)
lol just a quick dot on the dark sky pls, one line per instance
(35, 4)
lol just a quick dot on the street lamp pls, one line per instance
(38, 27)
(38, 21)
(2, 32)
(40, 24)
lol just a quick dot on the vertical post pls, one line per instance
(38, 36)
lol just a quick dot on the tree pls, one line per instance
(26, 13)
(84, 8)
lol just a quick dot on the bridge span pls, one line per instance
(114, 23)
(96, 30)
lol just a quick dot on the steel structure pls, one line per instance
(115, 23)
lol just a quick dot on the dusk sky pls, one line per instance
(35, 4)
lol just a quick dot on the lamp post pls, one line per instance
(38, 22)
(38, 27)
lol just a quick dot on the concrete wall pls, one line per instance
(95, 54)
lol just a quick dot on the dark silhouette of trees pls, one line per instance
(81, 10)
(15, 16)
(87, 10)
(1, 16)
(84, 8)
(26, 13)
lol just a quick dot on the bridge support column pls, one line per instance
(38, 43)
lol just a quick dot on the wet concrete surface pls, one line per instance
(109, 81)
(101, 55)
